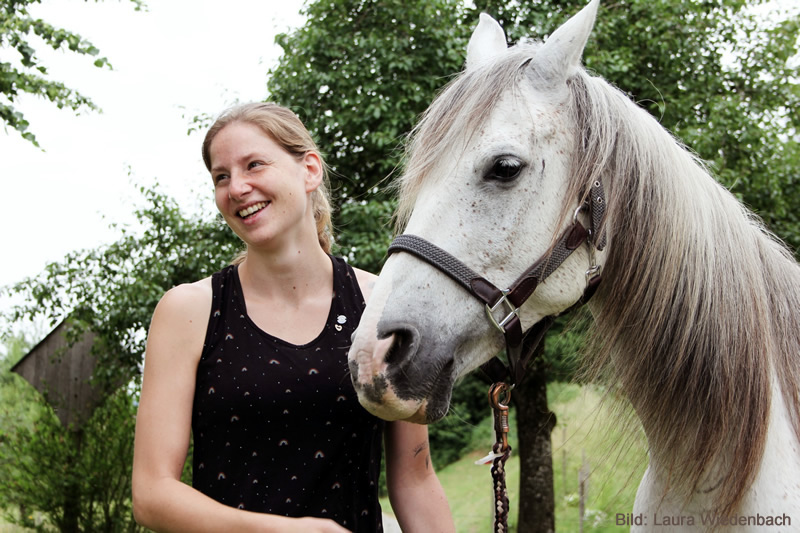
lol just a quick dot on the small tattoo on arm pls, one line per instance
(420, 448)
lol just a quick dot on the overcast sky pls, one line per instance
(179, 58)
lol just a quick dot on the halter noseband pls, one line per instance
(519, 346)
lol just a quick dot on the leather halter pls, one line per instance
(519, 346)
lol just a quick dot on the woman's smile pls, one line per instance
(250, 212)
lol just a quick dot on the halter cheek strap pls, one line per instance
(503, 305)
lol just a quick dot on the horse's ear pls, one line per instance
(560, 56)
(487, 41)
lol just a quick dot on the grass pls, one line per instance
(6, 527)
(615, 457)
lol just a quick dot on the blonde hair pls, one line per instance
(286, 129)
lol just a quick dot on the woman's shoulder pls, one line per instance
(187, 293)
(179, 323)
(187, 300)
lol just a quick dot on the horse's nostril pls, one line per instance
(396, 348)
(390, 353)
(402, 345)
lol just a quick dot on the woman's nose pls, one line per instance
(239, 185)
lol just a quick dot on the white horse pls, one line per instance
(696, 317)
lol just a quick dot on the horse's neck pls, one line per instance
(775, 491)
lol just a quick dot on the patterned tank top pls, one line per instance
(277, 427)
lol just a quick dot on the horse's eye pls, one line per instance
(505, 169)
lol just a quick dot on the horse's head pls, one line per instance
(489, 179)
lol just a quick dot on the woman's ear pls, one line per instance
(314, 171)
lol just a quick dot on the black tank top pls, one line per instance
(277, 427)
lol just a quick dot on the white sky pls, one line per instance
(181, 57)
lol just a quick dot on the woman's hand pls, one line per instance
(317, 525)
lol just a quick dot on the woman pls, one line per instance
(254, 362)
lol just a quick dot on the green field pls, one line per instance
(616, 460)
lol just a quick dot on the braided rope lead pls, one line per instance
(501, 505)
(501, 451)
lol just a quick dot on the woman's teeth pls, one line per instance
(244, 213)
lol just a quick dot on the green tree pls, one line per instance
(359, 72)
(27, 74)
(14, 396)
(79, 480)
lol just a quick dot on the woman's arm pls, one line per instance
(417, 497)
(161, 502)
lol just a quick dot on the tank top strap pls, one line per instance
(222, 286)
(345, 286)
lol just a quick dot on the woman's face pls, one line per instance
(262, 191)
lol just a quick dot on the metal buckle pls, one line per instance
(582, 207)
(512, 311)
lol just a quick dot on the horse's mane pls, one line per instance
(698, 311)
(699, 303)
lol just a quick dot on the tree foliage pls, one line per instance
(79, 480)
(27, 74)
(359, 72)
(364, 232)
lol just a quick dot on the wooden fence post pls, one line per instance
(583, 477)
(564, 460)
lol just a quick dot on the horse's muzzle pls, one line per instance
(394, 383)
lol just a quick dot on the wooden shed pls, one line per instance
(61, 373)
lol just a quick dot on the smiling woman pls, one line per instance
(252, 364)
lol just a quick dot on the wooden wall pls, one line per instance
(62, 375)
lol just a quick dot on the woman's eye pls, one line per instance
(505, 169)
(219, 177)
(253, 164)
